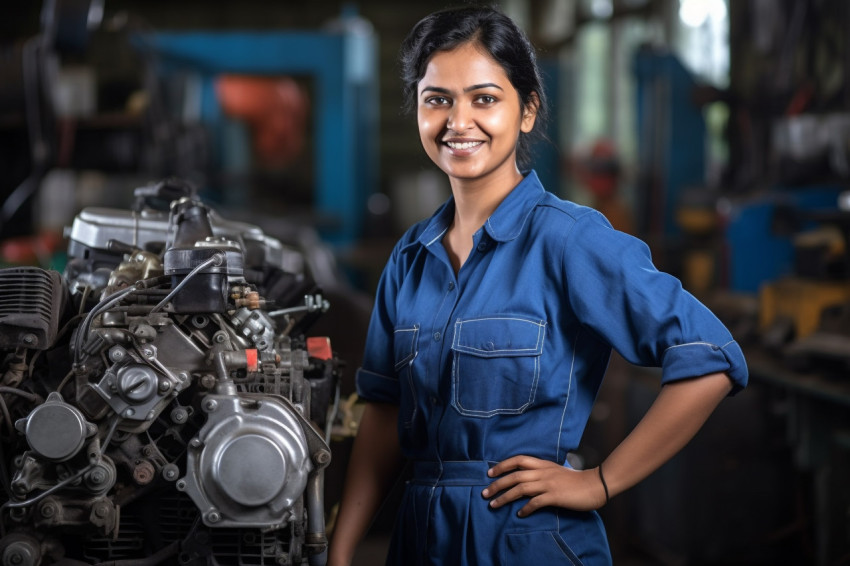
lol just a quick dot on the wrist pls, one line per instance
(604, 485)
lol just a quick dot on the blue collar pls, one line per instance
(504, 224)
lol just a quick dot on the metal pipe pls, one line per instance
(315, 537)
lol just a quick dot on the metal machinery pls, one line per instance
(160, 402)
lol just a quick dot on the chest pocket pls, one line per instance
(404, 345)
(496, 364)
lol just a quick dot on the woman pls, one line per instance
(492, 328)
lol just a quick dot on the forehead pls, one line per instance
(463, 66)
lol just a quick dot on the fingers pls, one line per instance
(543, 483)
(537, 493)
(518, 463)
(524, 471)
(508, 481)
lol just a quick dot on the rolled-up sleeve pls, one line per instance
(643, 313)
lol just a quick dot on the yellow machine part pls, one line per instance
(801, 300)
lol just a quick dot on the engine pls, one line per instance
(160, 399)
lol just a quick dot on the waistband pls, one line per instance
(470, 472)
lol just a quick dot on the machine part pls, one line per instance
(56, 431)
(168, 417)
(135, 389)
(256, 326)
(21, 550)
(248, 464)
(31, 307)
(101, 477)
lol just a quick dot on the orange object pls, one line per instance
(275, 108)
(30, 250)
(319, 347)
(251, 359)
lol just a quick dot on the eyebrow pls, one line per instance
(442, 90)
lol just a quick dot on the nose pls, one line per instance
(460, 118)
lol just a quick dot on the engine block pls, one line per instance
(161, 401)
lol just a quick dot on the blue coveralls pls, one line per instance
(506, 358)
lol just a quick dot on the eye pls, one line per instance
(485, 99)
(436, 101)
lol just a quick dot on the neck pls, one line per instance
(476, 200)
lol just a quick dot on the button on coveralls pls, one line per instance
(506, 358)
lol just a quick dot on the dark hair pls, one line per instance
(494, 32)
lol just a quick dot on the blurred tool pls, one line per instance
(807, 314)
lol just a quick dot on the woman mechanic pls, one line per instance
(493, 324)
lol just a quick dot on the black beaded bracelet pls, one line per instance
(604, 485)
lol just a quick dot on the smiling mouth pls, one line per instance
(463, 145)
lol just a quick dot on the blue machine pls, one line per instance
(343, 65)
(756, 254)
(671, 138)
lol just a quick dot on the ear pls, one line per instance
(529, 113)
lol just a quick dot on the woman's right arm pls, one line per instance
(376, 461)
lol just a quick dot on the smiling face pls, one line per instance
(470, 116)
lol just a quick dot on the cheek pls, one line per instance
(500, 123)
(428, 129)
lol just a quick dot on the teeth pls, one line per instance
(463, 145)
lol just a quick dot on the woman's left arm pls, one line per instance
(679, 411)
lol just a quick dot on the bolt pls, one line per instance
(116, 354)
(164, 386)
(181, 485)
(97, 476)
(143, 473)
(179, 416)
(101, 510)
(148, 352)
(128, 413)
(210, 405)
(219, 338)
(48, 510)
(169, 472)
(323, 457)
(182, 376)
(148, 450)
(196, 443)
(30, 339)
(213, 517)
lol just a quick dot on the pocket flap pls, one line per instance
(499, 336)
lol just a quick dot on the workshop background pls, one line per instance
(716, 130)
